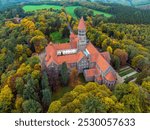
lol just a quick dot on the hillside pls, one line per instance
(15, 1)
(7, 3)
(126, 2)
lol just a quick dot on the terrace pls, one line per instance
(128, 74)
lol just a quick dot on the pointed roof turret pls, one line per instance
(81, 24)
(72, 35)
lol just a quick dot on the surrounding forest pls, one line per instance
(26, 87)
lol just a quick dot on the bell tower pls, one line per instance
(82, 35)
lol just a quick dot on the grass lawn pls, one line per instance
(103, 13)
(69, 9)
(56, 37)
(28, 8)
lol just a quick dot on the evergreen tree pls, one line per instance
(46, 98)
(31, 106)
(30, 91)
(44, 82)
(53, 79)
(19, 86)
(64, 74)
(46, 91)
(116, 62)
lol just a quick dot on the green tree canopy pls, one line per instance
(6, 97)
(31, 106)
(64, 74)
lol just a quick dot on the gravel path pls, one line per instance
(119, 79)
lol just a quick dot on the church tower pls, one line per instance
(82, 35)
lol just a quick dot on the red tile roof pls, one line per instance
(73, 58)
(99, 78)
(47, 58)
(110, 76)
(98, 72)
(51, 60)
(52, 56)
(102, 63)
(90, 72)
(50, 50)
(63, 46)
(72, 35)
(81, 25)
(67, 58)
(50, 53)
(92, 50)
(74, 43)
(80, 55)
(95, 56)
(106, 55)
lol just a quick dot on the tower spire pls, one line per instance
(82, 35)
(81, 25)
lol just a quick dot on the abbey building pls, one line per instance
(82, 55)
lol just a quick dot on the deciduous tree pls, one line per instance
(123, 56)
(6, 97)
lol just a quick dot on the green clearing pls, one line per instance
(102, 13)
(29, 8)
(56, 37)
(69, 9)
